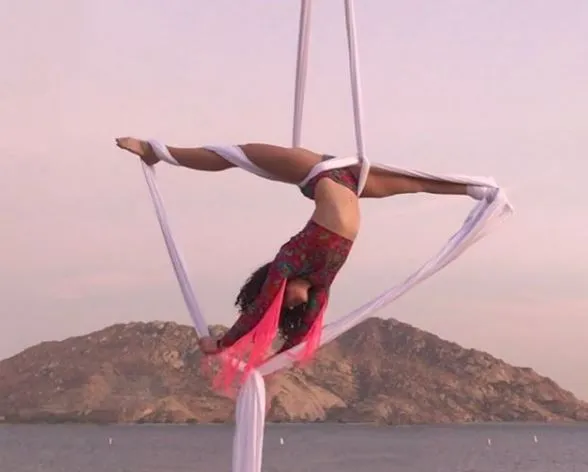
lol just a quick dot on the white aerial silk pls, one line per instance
(487, 212)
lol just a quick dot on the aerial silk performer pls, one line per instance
(287, 297)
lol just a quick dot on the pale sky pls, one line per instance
(471, 87)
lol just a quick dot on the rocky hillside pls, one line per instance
(381, 371)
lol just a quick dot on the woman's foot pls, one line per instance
(482, 193)
(138, 147)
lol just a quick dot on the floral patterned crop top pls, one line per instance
(315, 254)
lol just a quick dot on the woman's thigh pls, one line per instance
(289, 165)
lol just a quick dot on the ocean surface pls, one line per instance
(297, 448)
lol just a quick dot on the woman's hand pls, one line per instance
(208, 345)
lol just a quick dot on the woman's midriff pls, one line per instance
(337, 208)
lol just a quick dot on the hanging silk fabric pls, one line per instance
(251, 404)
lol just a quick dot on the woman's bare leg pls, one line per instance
(383, 183)
(193, 158)
(287, 164)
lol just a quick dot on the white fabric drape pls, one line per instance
(486, 213)
(250, 413)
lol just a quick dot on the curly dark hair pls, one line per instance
(290, 318)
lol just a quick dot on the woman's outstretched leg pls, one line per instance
(382, 183)
(289, 165)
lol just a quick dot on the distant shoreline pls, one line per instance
(294, 424)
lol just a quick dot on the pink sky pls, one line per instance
(481, 88)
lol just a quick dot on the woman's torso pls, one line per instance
(336, 203)
(320, 249)
(337, 208)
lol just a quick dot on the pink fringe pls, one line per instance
(252, 349)
(312, 339)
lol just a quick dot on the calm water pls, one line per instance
(324, 448)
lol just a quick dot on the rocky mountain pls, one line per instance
(381, 371)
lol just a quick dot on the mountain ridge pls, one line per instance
(381, 371)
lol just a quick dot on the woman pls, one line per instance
(290, 293)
